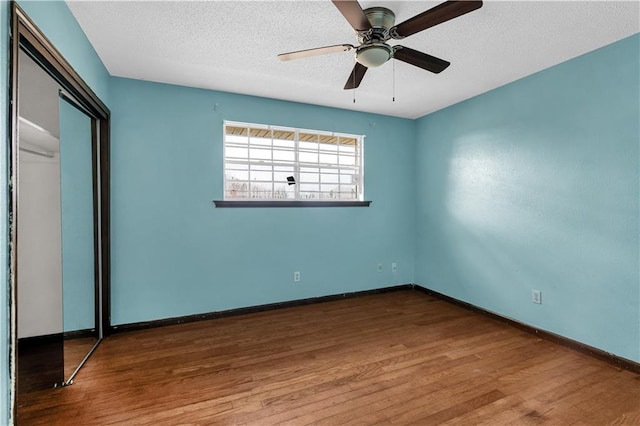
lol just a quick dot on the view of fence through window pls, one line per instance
(273, 163)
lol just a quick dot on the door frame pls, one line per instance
(27, 36)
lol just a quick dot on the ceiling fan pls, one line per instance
(376, 25)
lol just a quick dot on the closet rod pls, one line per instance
(35, 152)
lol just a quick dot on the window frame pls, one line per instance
(297, 165)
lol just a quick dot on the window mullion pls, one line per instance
(338, 165)
(273, 170)
(296, 164)
(319, 169)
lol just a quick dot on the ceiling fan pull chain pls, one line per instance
(354, 87)
(394, 82)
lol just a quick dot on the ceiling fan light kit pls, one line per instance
(374, 54)
(376, 25)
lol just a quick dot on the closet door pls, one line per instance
(39, 267)
(78, 235)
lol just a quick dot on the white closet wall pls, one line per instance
(39, 247)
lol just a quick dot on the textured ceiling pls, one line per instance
(232, 46)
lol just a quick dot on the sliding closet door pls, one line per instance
(78, 235)
(39, 267)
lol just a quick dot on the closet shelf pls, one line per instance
(36, 140)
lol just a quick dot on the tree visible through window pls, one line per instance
(279, 163)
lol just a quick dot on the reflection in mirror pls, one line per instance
(78, 266)
(39, 265)
(56, 233)
(39, 268)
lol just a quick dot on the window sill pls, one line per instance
(289, 203)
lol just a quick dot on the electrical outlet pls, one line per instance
(296, 276)
(536, 296)
(379, 267)
(394, 267)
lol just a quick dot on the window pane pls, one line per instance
(329, 178)
(237, 139)
(281, 177)
(308, 195)
(329, 171)
(309, 177)
(307, 157)
(308, 146)
(260, 141)
(289, 169)
(236, 194)
(346, 179)
(261, 132)
(279, 143)
(348, 141)
(309, 187)
(283, 136)
(328, 159)
(236, 152)
(260, 190)
(260, 176)
(284, 192)
(329, 148)
(260, 167)
(235, 189)
(237, 165)
(284, 155)
(310, 169)
(347, 160)
(237, 175)
(260, 153)
(307, 137)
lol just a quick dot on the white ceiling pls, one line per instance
(232, 46)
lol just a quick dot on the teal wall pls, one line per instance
(535, 185)
(4, 287)
(173, 253)
(76, 196)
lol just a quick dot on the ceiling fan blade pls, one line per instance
(314, 52)
(356, 76)
(434, 16)
(353, 13)
(419, 59)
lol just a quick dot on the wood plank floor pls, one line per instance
(395, 358)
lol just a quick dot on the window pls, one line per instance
(279, 163)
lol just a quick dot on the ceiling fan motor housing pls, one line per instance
(373, 51)
(381, 19)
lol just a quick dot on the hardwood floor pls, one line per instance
(395, 358)
(74, 352)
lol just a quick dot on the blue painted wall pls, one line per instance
(4, 287)
(174, 253)
(535, 185)
(76, 190)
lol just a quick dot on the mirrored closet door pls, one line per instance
(56, 223)
(79, 280)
